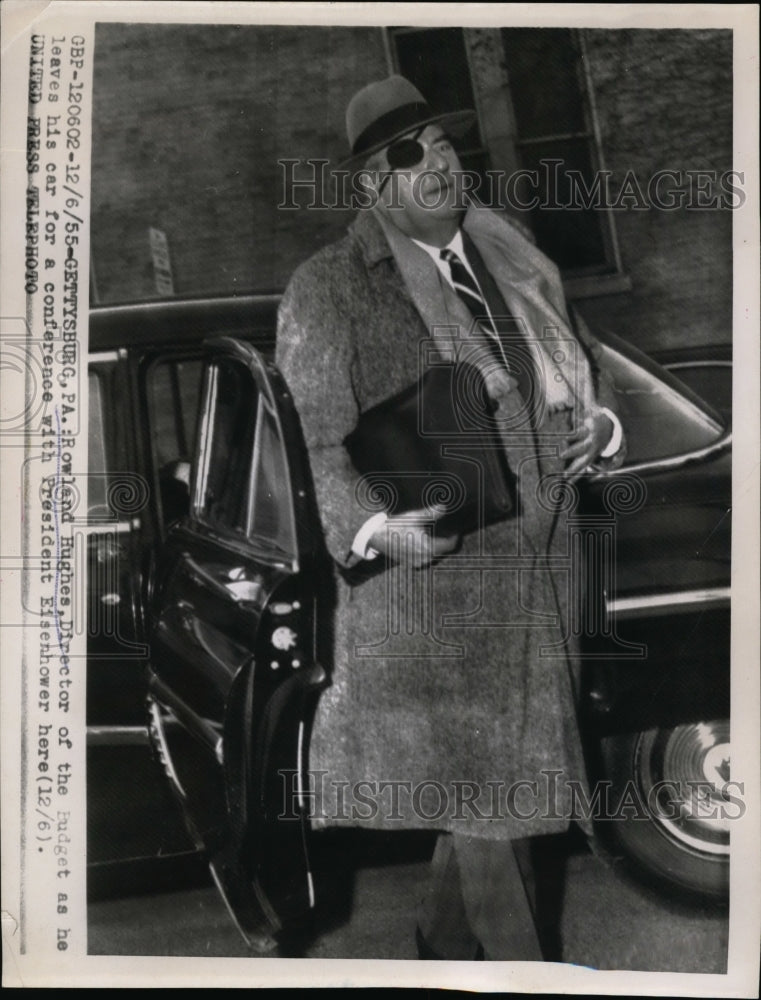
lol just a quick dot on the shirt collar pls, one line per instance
(368, 231)
(454, 244)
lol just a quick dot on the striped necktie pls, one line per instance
(507, 341)
(467, 288)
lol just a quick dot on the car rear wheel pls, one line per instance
(672, 807)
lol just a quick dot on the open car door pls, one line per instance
(234, 671)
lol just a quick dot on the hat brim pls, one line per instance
(456, 123)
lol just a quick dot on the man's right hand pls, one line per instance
(409, 538)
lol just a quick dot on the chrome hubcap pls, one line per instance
(683, 775)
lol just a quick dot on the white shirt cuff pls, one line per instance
(616, 437)
(361, 544)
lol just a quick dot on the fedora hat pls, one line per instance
(386, 110)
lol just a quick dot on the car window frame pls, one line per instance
(256, 545)
(147, 362)
(663, 374)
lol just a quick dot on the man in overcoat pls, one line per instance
(451, 703)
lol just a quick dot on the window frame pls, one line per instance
(610, 277)
(391, 33)
(207, 440)
(95, 402)
(172, 361)
(106, 368)
(590, 136)
(146, 368)
(260, 545)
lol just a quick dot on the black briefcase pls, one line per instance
(435, 445)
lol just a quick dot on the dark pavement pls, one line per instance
(591, 912)
(605, 924)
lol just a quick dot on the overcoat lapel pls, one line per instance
(451, 326)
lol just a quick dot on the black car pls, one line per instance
(207, 592)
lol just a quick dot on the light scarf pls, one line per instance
(531, 287)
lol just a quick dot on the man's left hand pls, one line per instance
(586, 442)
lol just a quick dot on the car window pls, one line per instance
(662, 417)
(174, 392)
(270, 516)
(711, 380)
(243, 482)
(97, 502)
(225, 480)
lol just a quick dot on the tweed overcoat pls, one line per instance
(451, 703)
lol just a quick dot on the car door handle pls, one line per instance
(241, 591)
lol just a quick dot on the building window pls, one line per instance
(555, 140)
(546, 129)
(436, 61)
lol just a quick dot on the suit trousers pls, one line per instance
(478, 897)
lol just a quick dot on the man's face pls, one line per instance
(421, 199)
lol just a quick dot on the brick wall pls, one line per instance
(190, 121)
(664, 101)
